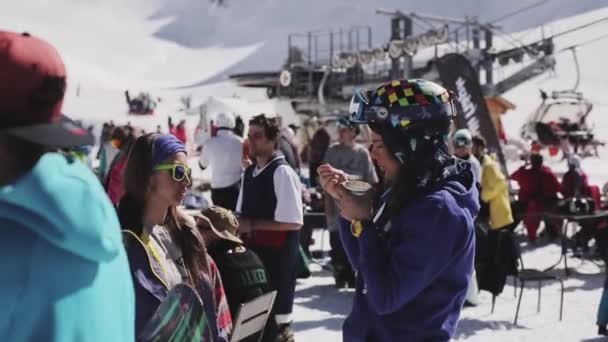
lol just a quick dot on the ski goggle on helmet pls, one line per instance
(462, 138)
(414, 107)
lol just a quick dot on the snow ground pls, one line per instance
(320, 308)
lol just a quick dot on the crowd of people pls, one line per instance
(61, 216)
(91, 256)
(146, 181)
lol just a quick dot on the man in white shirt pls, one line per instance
(224, 154)
(271, 215)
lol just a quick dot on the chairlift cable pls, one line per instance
(579, 27)
(604, 36)
(572, 48)
(508, 36)
(578, 70)
(519, 11)
(423, 20)
(504, 34)
(515, 42)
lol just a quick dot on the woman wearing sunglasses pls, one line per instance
(162, 242)
(413, 246)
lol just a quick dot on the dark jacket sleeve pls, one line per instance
(393, 278)
(567, 187)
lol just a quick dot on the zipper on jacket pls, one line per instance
(148, 255)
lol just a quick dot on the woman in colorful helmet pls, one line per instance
(163, 244)
(413, 246)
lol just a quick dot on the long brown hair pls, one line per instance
(422, 174)
(138, 172)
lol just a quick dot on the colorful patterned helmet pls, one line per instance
(415, 107)
(413, 117)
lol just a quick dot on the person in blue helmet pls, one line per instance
(413, 244)
(462, 142)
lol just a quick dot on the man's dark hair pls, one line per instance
(239, 126)
(345, 122)
(120, 133)
(479, 141)
(294, 127)
(536, 160)
(270, 126)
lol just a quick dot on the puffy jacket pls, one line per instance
(151, 289)
(114, 184)
(412, 280)
(536, 185)
(180, 133)
(65, 275)
(495, 192)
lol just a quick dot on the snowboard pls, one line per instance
(180, 317)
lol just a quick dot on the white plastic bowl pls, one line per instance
(357, 187)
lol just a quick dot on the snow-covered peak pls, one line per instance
(111, 44)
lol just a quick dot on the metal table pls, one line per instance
(570, 220)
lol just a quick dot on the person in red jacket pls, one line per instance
(122, 139)
(538, 189)
(575, 184)
(180, 131)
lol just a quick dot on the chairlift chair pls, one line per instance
(561, 117)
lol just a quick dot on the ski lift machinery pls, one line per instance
(561, 116)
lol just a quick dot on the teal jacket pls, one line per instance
(64, 271)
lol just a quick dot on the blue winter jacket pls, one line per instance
(64, 271)
(412, 280)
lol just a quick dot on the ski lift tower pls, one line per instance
(323, 68)
(475, 40)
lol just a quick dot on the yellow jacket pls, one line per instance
(495, 192)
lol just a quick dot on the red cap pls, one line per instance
(32, 86)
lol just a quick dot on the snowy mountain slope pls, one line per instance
(110, 44)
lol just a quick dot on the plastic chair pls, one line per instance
(531, 274)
